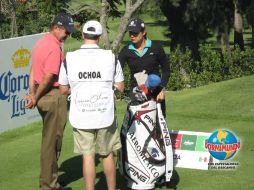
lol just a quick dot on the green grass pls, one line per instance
(225, 105)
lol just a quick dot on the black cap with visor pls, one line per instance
(136, 26)
(65, 20)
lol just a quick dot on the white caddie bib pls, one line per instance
(91, 74)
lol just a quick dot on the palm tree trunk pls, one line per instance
(238, 27)
(14, 29)
(131, 7)
(103, 20)
(224, 40)
(252, 23)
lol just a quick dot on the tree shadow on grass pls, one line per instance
(175, 179)
(121, 182)
(72, 169)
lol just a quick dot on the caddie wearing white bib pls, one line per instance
(91, 74)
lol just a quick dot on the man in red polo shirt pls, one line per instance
(47, 57)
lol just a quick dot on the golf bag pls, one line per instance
(146, 157)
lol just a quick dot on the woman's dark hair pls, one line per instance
(145, 36)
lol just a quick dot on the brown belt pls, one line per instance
(52, 87)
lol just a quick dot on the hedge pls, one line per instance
(214, 66)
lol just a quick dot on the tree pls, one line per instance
(8, 10)
(188, 23)
(103, 11)
(24, 17)
(43, 11)
(192, 21)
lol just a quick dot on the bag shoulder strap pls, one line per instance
(115, 63)
(65, 66)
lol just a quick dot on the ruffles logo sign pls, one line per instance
(222, 144)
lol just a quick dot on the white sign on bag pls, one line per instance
(189, 149)
(15, 63)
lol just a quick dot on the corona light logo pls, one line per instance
(21, 58)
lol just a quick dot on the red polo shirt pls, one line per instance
(47, 57)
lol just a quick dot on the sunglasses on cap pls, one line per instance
(135, 34)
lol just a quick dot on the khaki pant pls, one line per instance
(103, 140)
(53, 110)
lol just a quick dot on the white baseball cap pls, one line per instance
(92, 27)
